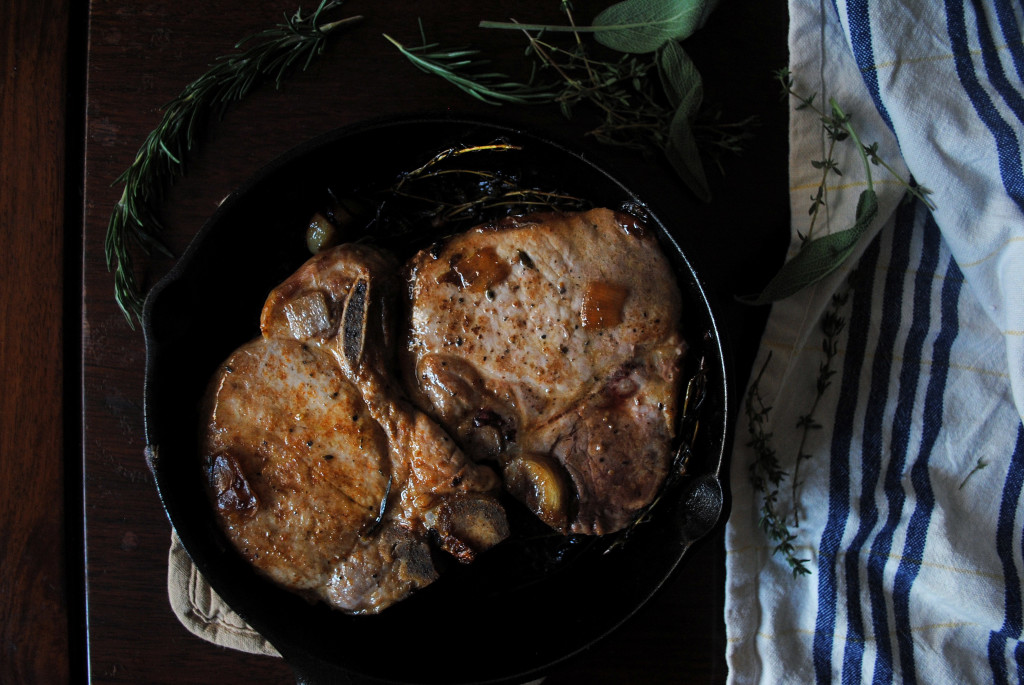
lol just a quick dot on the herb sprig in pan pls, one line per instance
(270, 56)
(444, 194)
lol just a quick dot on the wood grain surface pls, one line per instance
(139, 56)
(33, 598)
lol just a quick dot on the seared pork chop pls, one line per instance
(550, 345)
(322, 474)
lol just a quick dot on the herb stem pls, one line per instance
(539, 47)
(766, 475)
(831, 325)
(977, 467)
(613, 28)
(552, 28)
(845, 121)
(447, 153)
(327, 28)
(822, 197)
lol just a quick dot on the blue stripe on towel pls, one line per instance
(1011, 34)
(875, 420)
(839, 469)
(994, 67)
(1007, 145)
(1005, 531)
(906, 395)
(917, 528)
(859, 20)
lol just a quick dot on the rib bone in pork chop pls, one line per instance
(550, 345)
(321, 472)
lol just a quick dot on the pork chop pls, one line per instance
(550, 346)
(322, 474)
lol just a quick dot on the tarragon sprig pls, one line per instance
(270, 56)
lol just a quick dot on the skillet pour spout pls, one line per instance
(505, 618)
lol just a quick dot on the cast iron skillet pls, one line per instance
(525, 605)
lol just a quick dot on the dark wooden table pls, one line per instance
(83, 539)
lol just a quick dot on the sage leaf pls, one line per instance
(680, 78)
(682, 153)
(819, 257)
(639, 26)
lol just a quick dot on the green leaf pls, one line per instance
(639, 26)
(819, 257)
(683, 155)
(680, 78)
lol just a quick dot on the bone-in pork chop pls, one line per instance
(322, 474)
(550, 345)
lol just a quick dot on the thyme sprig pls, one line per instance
(270, 55)
(766, 475)
(621, 90)
(766, 471)
(832, 324)
(818, 257)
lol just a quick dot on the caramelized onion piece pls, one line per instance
(538, 481)
(232, 488)
(602, 304)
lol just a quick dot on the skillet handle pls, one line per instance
(702, 504)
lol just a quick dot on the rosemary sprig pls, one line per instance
(766, 475)
(463, 68)
(272, 54)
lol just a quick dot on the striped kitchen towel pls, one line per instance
(887, 400)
